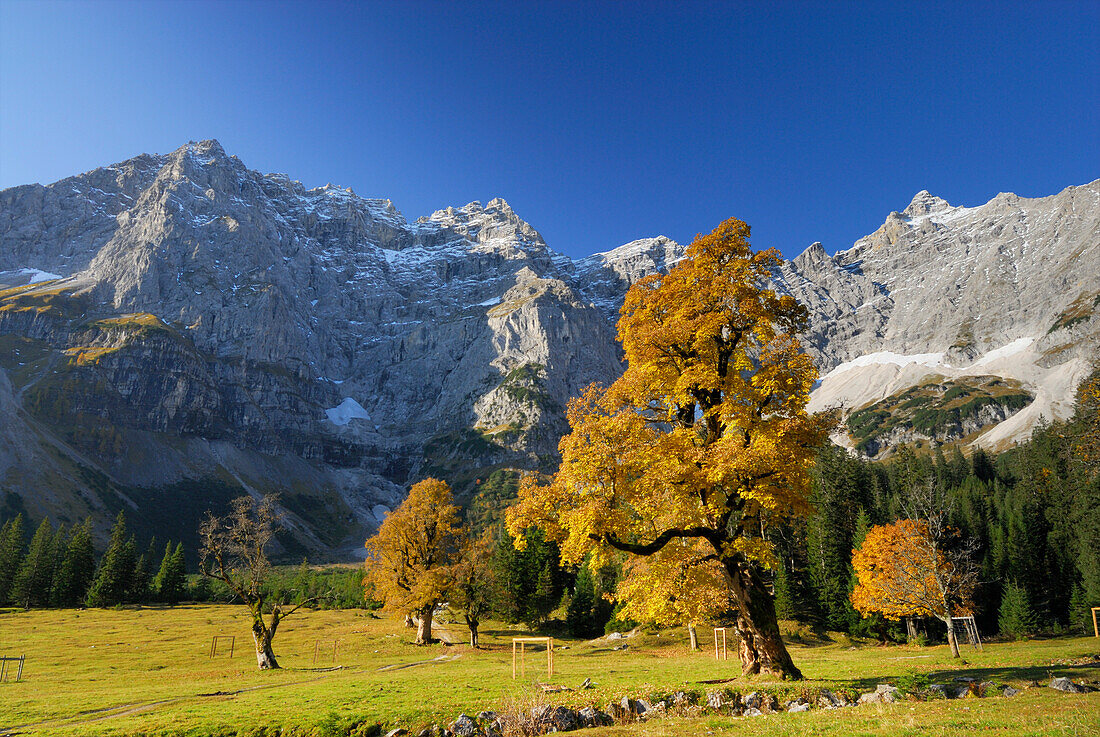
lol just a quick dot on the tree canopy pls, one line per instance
(704, 438)
(410, 558)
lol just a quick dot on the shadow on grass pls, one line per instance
(1000, 674)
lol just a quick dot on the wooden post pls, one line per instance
(522, 652)
(19, 675)
(724, 653)
(1095, 628)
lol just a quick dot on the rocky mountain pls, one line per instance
(178, 329)
(183, 322)
(949, 296)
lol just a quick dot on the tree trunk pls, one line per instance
(952, 640)
(265, 656)
(693, 637)
(409, 620)
(424, 627)
(761, 648)
(472, 624)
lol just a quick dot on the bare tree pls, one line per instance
(951, 556)
(233, 551)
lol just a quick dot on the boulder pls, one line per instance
(590, 716)
(751, 712)
(1066, 685)
(561, 719)
(1009, 692)
(830, 700)
(883, 694)
(798, 706)
(396, 732)
(464, 726)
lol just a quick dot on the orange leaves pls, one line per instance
(410, 556)
(899, 572)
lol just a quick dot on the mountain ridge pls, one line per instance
(212, 321)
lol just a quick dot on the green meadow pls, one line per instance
(148, 671)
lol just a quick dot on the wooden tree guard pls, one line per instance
(4, 666)
(523, 642)
(971, 628)
(214, 644)
(725, 655)
(1095, 628)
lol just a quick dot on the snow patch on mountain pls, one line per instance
(347, 411)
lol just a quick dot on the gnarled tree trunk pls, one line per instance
(693, 637)
(262, 636)
(761, 648)
(423, 620)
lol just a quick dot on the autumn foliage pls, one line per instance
(409, 564)
(700, 444)
(902, 571)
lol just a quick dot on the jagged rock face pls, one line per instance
(273, 304)
(1010, 288)
(212, 322)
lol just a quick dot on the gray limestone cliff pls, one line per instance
(179, 329)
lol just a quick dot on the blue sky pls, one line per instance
(599, 123)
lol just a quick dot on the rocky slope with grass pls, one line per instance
(178, 329)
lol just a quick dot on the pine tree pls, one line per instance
(77, 568)
(31, 587)
(114, 579)
(13, 539)
(545, 598)
(1015, 617)
(170, 584)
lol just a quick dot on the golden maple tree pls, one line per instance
(901, 571)
(409, 563)
(704, 438)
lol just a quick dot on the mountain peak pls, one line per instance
(924, 202)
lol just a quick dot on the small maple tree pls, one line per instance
(902, 571)
(704, 438)
(410, 559)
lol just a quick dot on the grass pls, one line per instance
(147, 671)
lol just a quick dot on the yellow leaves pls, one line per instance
(409, 559)
(703, 436)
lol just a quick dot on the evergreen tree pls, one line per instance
(841, 489)
(1015, 617)
(588, 610)
(13, 539)
(544, 599)
(31, 587)
(170, 583)
(77, 568)
(531, 581)
(114, 579)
